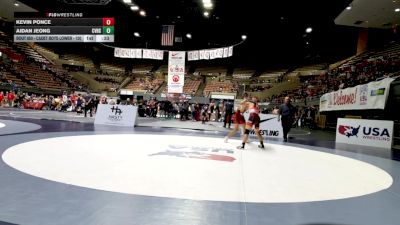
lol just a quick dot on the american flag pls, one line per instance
(167, 35)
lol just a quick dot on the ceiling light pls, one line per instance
(308, 30)
(189, 36)
(307, 43)
(244, 37)
(134, 8)
(16, 4)
(136, 34)
(206, 1)
(127, 1)
(348, 7)
(208, 5)
(397, 10)
(206, 14)
(142, 13)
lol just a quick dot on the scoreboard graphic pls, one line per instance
(63, 27)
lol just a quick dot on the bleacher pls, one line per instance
(31, 53)
(145, 85)
(190, 87)
(163, 69)
(65, 76)
(309, 70)
(270, 76)
(6, 46)
(80, 60)
(211, 70)
(356, 70)
(39, 77)
(7, 78)
(243, 73)
(142, 69)
(112, 68)
(219, 86)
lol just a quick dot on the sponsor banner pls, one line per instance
(367, 96)
(153, 54)
(201, 54)
(269, 126)
(207, 54)
(195, 55)
(138, 53)
(210, 54)
(225, 52)
(146, 54)
(176, 72)
(230, 51)
(117, 115)
(375, 133)
(220, 52)
(127, 53)
(159, 54)
(190, 56)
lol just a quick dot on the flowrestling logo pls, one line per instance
(195, 152)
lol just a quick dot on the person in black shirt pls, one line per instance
(286, 114)
(88, 104)
(228, 114)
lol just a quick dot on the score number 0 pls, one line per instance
(108, 22)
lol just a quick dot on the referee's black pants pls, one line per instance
(286, 125)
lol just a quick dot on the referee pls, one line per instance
(286, 113)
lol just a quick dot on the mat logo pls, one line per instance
(195, 152)
(349, 130)
(116, 116)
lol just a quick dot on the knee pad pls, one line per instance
(246, 131)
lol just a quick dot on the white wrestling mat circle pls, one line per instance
(197, 168)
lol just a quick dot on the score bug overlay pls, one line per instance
(63, 29)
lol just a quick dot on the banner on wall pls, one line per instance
(138, 53)
(176, 71)
(207, 54)
(366, 96)
(376, 133)
(127, 53)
